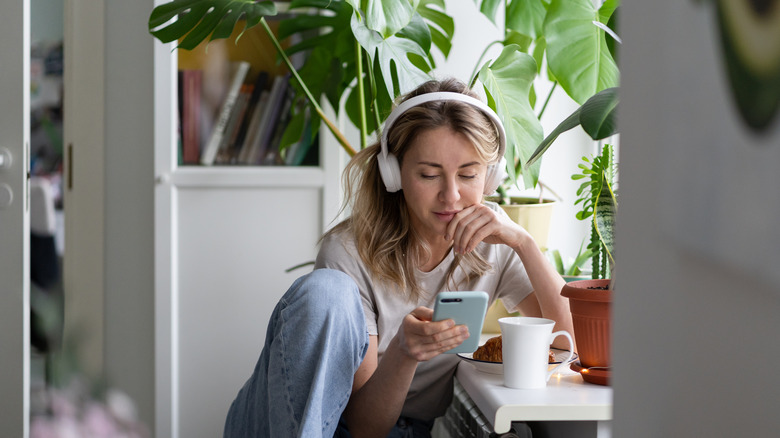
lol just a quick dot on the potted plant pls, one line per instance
(363, 54)
(591, 300)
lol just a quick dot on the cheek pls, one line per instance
(473, 189)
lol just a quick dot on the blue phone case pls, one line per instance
(464, 307)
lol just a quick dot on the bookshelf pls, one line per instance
(234, 104)
(224, 235)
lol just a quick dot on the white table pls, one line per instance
(567, 398)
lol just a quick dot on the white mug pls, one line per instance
(525, 350)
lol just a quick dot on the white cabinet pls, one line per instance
(223, 239)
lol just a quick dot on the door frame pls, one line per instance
(15, 219)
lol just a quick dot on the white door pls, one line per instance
(14, 217)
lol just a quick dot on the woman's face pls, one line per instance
(441, 174)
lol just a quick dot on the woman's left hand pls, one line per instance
(480, 223)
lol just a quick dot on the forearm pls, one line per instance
(375, 407)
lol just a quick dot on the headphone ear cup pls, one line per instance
(390, 171)
(496, 173)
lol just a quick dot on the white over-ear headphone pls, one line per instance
(389, 167)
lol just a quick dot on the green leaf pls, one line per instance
(579, 261)
(488, 8)
(607, 10)
(329, 68)
(598, 114)
(293, 131)
(523, 41)
(526, 16)
(558, 261)
(604, 218)
(198, 19)
(568, 123)
(538, 53)
(612, 44)
(392, 57)
(418, 32)
(388, 16)
(598, 117)
(441, 25)
(577, 52)
(508, 81)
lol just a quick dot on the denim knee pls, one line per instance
(324, 293)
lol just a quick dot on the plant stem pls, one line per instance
(361, 95)
(332, 127)
(374, 104)
(473, 77)
(546, 101)
(545, 186)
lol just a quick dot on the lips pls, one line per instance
(445, 216)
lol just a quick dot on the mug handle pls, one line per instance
(571, 352)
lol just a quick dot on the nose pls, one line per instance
(450, 190)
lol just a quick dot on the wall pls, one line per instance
(695, 334)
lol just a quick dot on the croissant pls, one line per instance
(490, 351)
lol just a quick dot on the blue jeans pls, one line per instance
(315, 341)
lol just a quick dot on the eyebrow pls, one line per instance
(462, 166)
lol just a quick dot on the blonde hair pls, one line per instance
(379, 220)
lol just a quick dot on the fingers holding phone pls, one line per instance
(423, 339)
(464, 308)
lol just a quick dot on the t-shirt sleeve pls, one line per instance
(337, 252)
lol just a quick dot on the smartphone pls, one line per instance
(465, 308)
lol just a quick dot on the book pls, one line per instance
(257, 90)
(219, 131)
(254, 122)
(189, 112)
(271, 111)
(234, 124)
(284, 119)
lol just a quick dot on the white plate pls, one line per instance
(498, 367)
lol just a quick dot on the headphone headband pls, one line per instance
(389, 167)
(444, 96)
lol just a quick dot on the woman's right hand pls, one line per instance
(422, 339)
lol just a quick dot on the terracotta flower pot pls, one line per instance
(591, 314)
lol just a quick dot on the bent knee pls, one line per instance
(327, 291)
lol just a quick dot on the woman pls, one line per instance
(357, 354)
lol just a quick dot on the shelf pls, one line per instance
(249, 176)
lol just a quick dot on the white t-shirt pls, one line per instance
(385, 307)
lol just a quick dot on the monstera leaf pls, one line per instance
(396, 35)
(508, 81)
(387, 17)
(526, 17)
(199, 19)
(577, 51)
(391, 54)
(441, 25)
